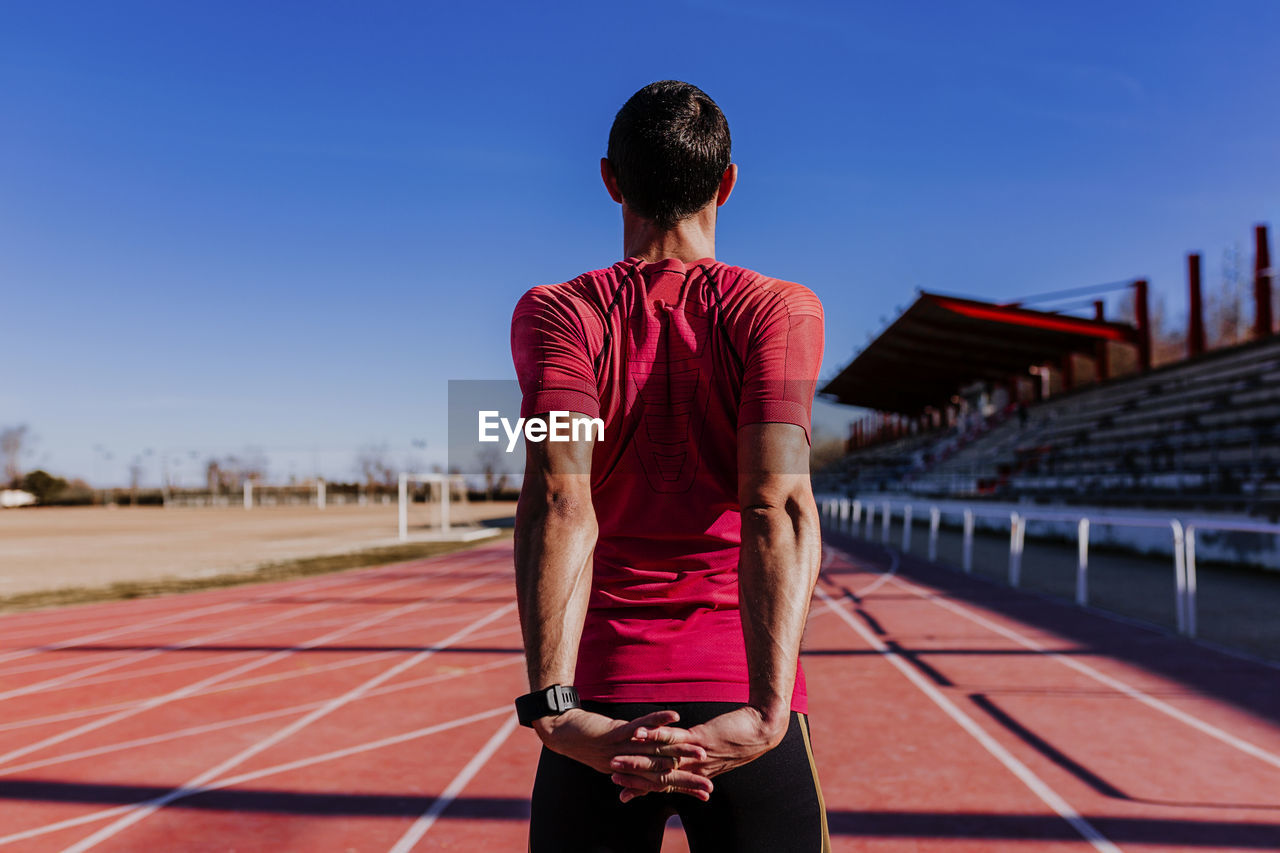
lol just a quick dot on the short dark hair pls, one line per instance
(669, 147)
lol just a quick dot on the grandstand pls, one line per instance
(957, 411)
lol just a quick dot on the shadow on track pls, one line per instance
(865, 824)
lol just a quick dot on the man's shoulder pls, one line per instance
(770, 291)
(587, 288)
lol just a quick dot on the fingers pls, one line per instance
(644, 764)
(651, 721)
(660, 738)
(673, 741)
(679, 781)
(657, 749)
(662, 734)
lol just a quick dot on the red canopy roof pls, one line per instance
(943, 343)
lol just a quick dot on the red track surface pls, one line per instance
(370, 711)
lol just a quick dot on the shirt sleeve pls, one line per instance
(552, 358)
(784, 355)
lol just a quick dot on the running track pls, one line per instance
(370, 711)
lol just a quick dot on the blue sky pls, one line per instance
(286, 226)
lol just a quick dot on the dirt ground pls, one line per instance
(52, 548)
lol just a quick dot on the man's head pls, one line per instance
(668, 153)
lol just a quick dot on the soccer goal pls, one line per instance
(300, 494)
(438, 493)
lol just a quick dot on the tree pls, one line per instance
(495, 470)
(13, 441)
(230, 472)
(43, 485)
(135, 479)
(1168, 344)
(373, 463)
(1225, 321)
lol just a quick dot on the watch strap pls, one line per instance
(550, 702)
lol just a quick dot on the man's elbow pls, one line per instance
(557, 508)
(796, 510)
(570, 507)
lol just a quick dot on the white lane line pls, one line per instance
(214, 659)
(75, 621)
(1038, 786)
(349, 751)
(827, 563)
(77, 617)
(121, 629)
(140, 811)
(306, 587)
(248, 666)
(71, 679)
(179, 615)
(103, 814)
(451, 792)
(254, 718)
(140, 628)
(881, 577)
(270, 618)
(1114, 683)
(81, 713)
(259, 595)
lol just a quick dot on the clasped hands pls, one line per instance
(650, 755)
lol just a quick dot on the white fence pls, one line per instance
(847, 515)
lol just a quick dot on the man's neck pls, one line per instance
(690, 240)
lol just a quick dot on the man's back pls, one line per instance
(674, 357)
(665, 565)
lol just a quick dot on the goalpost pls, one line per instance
(258, 494)
(444, 483)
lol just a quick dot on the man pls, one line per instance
(664, 569)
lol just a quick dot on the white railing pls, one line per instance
(846, 514)
(1214, 524)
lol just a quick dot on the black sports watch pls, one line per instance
(550, 702)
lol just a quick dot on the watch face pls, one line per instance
(561, 699)
(542, 703)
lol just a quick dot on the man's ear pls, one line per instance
(610, 179)
(727, 182)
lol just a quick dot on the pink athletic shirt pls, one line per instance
(674, 358)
